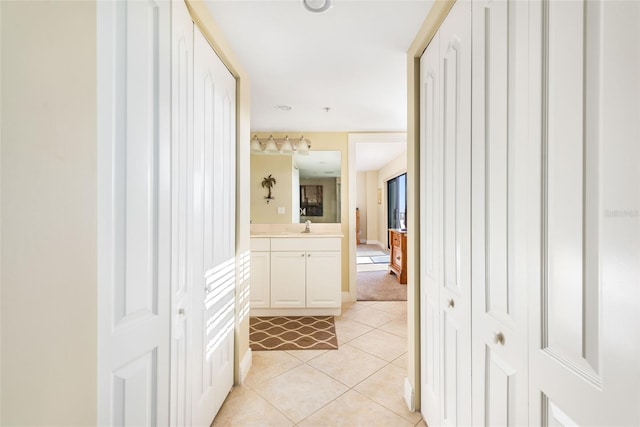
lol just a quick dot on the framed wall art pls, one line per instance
(311, 200)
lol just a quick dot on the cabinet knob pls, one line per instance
(498, 338)
(302, 255)
(182, 312)
(452, 303)
(308, 255)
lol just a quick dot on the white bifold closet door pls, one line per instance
(585, 222)
(134, 211)
(213, 232)
(501, 198)
(182, 198)
(446, 221)
(555, 226)
(203, 226)
(430, 231)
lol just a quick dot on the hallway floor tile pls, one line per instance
(360, 384)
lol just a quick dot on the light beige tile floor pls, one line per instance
(360, 384)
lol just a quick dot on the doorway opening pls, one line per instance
(379, 272)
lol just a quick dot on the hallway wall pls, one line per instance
(281, 169)
(372, 207)
(49, 270)
(361, 203)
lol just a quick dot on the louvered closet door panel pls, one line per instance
(133, 54)
(585, 305)
(500, 166)
(430, 230)
(214, 232)
(455, 285)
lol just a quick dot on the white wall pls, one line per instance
(361, 203)
(372, 207)
(48, 213)
(0, 209)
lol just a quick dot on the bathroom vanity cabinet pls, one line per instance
(296, 275)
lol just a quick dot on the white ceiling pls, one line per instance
(372, 156)
(351, 58)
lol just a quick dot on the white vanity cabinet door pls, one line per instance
(260, 279)
(324, 279)
(288, 279)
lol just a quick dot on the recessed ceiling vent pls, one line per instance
(316, 6)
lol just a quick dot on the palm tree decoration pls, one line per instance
(268, 182)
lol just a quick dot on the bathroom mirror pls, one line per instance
(307, 187)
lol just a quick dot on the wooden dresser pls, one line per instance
(398, 256)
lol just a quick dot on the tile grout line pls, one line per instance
(386, 363)
(351, 388)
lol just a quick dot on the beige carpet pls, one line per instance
(292, 333)
(380, 286)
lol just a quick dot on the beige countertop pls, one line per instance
(294, 234)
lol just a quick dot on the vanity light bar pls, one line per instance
(282, 146)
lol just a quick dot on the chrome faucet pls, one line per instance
(307, 226)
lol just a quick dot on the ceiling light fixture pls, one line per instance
(281, 146)
(316, 6)
(271, 146)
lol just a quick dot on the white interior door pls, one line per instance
(133, 161)
(430, 231)
(500, 203)
(446, 229)
(214, 233)
(455, 284)
(585, 301)
(181, 212)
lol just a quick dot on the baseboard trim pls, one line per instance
(409, 395)
(245, 365)
(346, 297)
(374, 242)
(302, 311)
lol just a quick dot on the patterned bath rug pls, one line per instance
(292, 333)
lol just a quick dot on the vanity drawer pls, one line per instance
(260, 244)
(305, 244)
